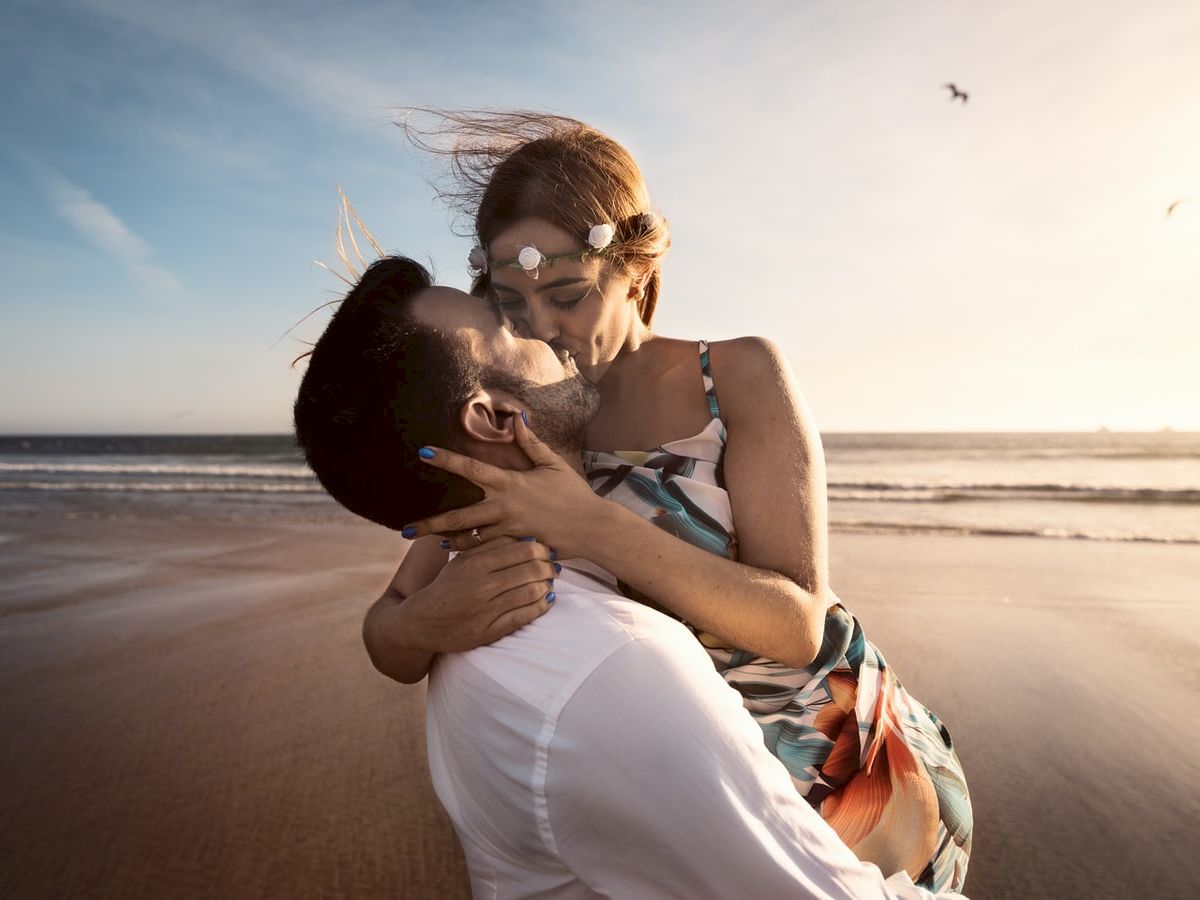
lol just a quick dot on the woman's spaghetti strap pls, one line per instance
(710, 389)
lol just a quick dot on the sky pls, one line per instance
(168, 173)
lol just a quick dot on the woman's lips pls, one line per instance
(568, 362)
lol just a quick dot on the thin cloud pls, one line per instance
(236, 156)
(103, 228)
(236, 39)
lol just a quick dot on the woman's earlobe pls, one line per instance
(637, 288)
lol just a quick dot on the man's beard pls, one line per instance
(559, 413)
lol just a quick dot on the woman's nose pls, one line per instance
(543, 325)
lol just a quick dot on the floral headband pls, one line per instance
(531, 259)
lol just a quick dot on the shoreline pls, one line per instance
(190, 713)
(132, 507)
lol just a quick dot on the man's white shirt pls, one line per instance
(597, 752)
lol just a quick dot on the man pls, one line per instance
(594, 752)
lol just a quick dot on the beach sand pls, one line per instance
(187, 710)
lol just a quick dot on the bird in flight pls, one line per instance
(955, 93)
(1171, 208)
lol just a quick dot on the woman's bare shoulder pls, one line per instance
(747, 359)
(669, 358)
(753, 381)
(736, 354)
(675, 348)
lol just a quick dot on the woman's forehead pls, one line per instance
(546, 236)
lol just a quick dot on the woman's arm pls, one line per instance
(384, 630)
(434, 606)
(772, 601)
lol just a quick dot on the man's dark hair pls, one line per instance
(380, 385)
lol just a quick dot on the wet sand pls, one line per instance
(188, 712)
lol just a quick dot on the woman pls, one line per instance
(721, 523)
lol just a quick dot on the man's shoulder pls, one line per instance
(544, 661)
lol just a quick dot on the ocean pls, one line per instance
(1090, 486)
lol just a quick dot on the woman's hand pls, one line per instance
(480, 596)
(547, 502)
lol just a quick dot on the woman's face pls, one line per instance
(586, 308)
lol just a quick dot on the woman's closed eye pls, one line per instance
(570, 299)
(511, 306)
(567, 302)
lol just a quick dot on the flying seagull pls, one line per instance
(1171, 208)
(955, 93)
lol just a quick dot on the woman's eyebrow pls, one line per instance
(560, 282)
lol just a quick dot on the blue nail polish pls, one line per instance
(425, 453)
(528, 539)
(551, 597)
(557, 569)
(525, 418)
(409, 531)
(553, 553)
(445, 545)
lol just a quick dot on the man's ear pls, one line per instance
(488, 417)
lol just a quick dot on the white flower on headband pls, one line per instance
(600, 236)
(477, 261)
(529, 259)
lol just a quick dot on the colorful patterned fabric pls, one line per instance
(878, 765)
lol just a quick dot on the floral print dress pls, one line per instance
(878, 766)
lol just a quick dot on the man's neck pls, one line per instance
(510, 456)
(572, 456)
(574, 459)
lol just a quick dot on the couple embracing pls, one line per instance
(640, 681)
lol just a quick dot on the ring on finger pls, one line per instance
(475, 534)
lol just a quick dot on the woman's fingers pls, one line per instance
(502, 564)
(465, 541)
(528, 606)
(479, 548)
(539, 573)
(480, 473)
(477, 515)
(515, 553)
(535, 448)
(498, 586)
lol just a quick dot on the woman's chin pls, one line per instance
(592, 370)
(585, 366)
